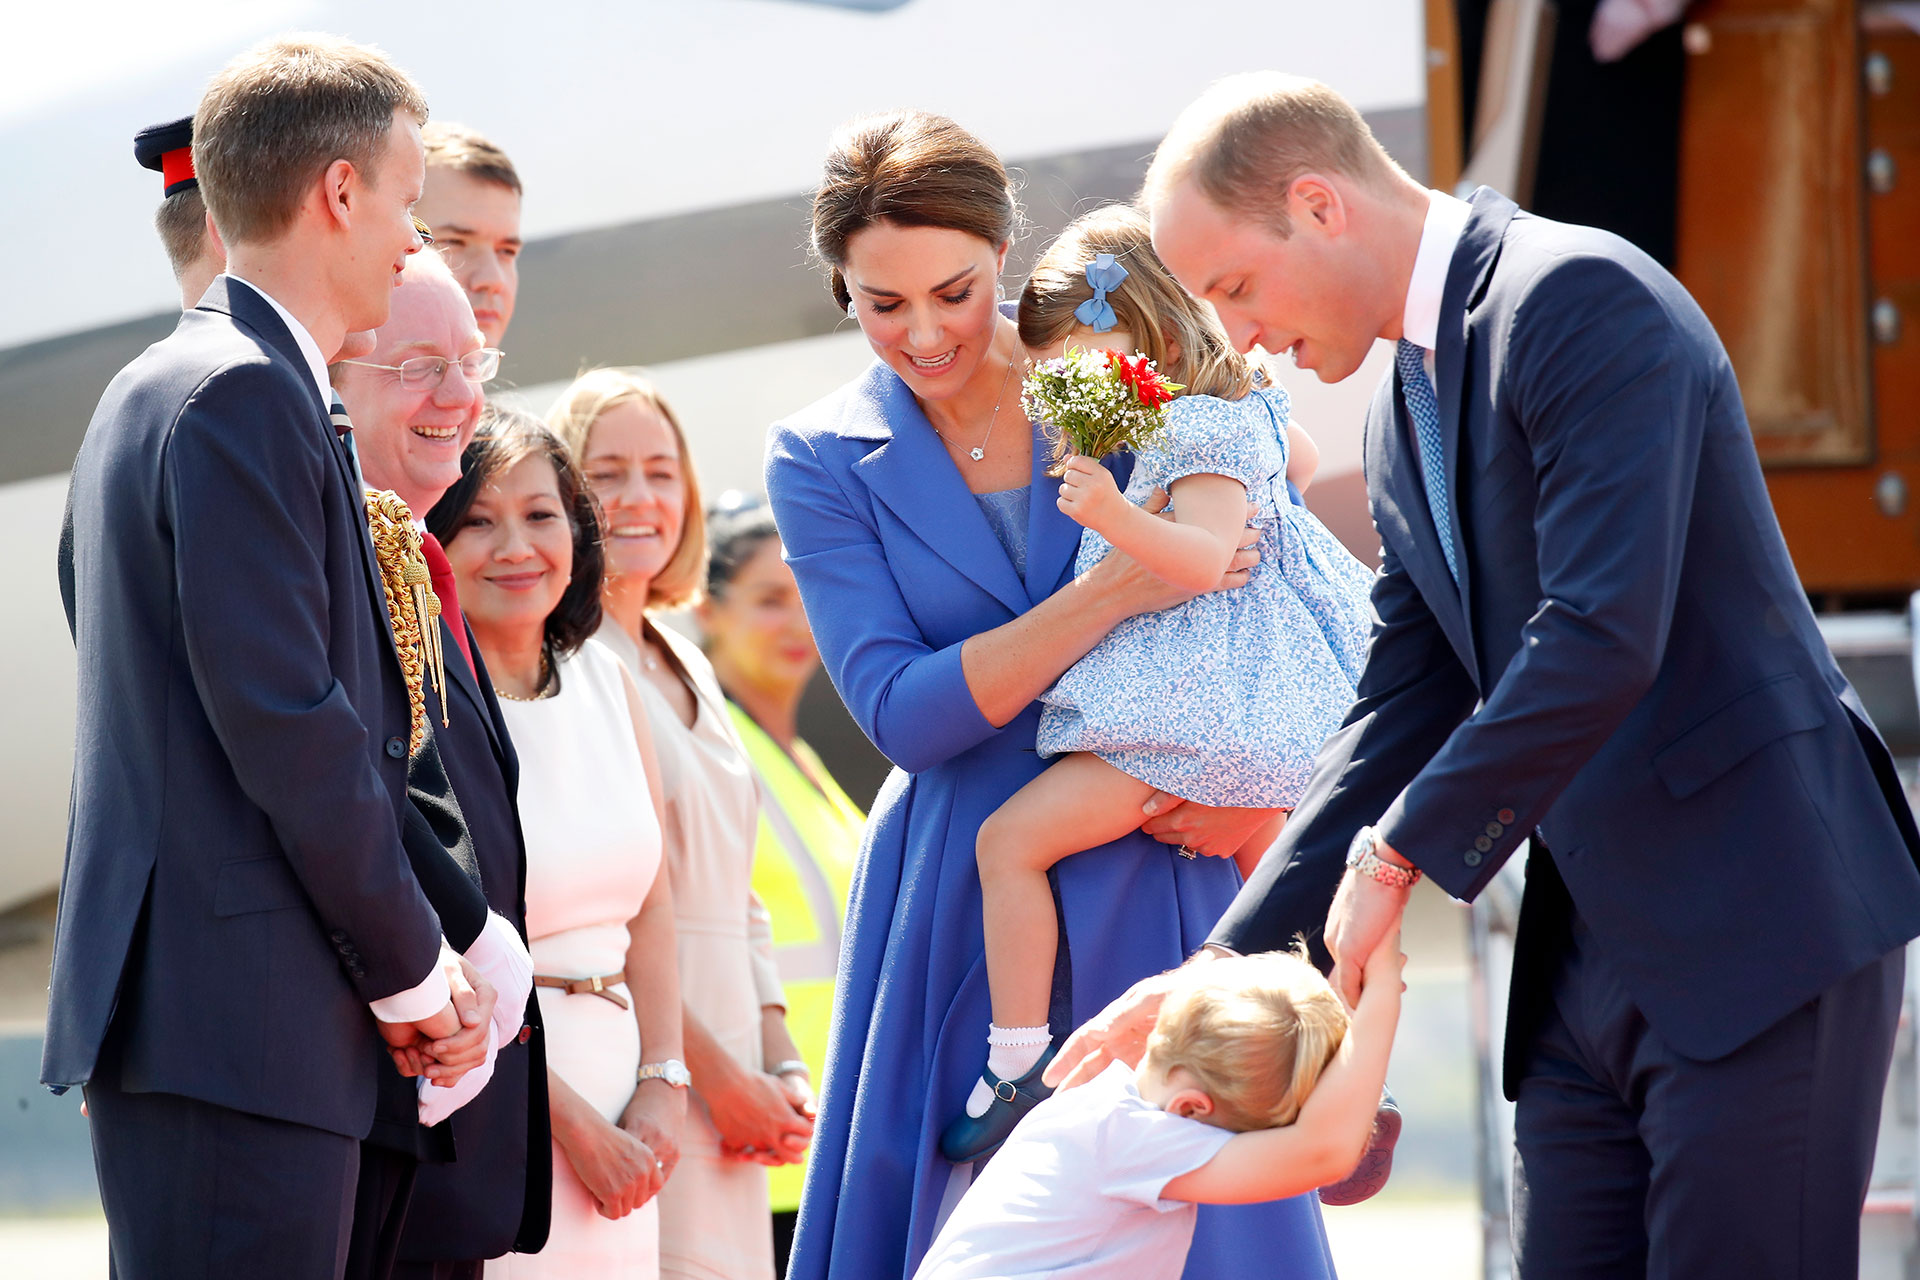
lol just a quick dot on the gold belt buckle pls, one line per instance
(594, 985)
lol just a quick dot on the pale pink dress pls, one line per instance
(593, 850)
(715, 1219)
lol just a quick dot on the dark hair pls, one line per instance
(912, 169)
(738, 525)
(505, 438)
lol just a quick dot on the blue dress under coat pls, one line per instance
(898, 567)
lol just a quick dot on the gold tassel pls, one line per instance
(412, 607)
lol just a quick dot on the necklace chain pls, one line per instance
(541, 690)
(979, 451)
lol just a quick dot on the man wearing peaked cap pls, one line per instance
(192, 244)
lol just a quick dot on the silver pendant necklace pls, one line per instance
(979, 451)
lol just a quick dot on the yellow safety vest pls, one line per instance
(803, 863)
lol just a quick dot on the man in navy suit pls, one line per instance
(239, 928)
(1588, 632)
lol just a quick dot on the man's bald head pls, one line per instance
(410, 440)
(1246, 140)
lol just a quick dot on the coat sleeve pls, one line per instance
(1612, 398)
(1413, 692)
(245, 484)
(910, 698)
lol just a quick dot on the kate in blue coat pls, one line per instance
(899, 568)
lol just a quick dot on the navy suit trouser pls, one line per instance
(1632, 1160)
(196, 1191)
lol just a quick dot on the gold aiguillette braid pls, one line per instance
(412, 607)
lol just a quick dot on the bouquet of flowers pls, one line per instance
(1097, 402)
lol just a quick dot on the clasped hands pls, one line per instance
(1363, 927)
(453, 1041)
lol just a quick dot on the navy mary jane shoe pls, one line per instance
(971, 1138)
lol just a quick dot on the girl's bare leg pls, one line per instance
(1248, 855)
(1080, 803)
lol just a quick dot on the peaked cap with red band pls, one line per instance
(167, 149)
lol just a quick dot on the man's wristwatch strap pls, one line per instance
(1362, 858)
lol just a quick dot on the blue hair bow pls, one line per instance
(1096, 313)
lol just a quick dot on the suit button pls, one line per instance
(1506, 816)
(396, 748)
(338, 935)
(1483, 844)
(1496, 830)
(1472, 859)
(526, 1033)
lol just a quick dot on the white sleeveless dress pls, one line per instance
(593, 850)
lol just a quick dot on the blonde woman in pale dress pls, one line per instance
(752, 1102)
(521, 533)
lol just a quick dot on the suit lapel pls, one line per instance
(912, 474)
(247, 307)
(463, 679)
(1467, 276)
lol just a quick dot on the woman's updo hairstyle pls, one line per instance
(504, 438)
(912, 169)
(738, 525)
(1149, 304)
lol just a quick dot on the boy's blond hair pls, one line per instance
(1149, 304)
(1255, 1031)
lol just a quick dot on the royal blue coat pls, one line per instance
(898, 567)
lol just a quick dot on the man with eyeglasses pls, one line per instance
(416, 400)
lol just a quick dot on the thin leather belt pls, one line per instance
(602, 986)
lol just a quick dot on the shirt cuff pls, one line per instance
(416, 1003)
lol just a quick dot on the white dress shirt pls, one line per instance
(430, 995)
(1446, 221)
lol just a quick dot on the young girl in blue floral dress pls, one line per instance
(1223, 700)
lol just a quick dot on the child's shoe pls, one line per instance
(971, 1138)
(1376, 1165)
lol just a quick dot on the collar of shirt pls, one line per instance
(316, 363)
(1446, 220)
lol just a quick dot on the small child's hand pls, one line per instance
(1384, 968)
(1089, 494)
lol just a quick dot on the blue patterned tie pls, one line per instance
(1424, 410)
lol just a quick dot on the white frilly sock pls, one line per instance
(1011, 1053)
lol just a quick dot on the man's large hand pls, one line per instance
(1364, 912)
(453, 1041)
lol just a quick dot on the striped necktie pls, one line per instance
(1423, 409)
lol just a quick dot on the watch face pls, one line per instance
(1362, 845)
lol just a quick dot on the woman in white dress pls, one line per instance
(752, 1101)
(522, 535)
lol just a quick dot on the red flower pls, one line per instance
(1148, 387)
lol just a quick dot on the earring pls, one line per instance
(853, 311)
(999, 291)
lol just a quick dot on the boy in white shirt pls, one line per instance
(1256, 1085)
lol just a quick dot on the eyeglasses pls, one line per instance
(426, 373)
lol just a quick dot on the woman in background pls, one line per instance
(715, 1221)
(522, 537)
(756, 635)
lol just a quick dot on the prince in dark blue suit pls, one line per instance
(1588, 632)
